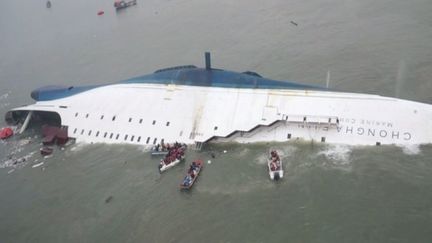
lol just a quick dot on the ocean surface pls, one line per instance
(114, 193)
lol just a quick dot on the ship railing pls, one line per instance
(312, 120)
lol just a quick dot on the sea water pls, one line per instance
(114, 193)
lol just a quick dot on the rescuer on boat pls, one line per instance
(275, 161)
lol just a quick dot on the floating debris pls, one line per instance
(213, 155)
(37, 165)
(294, 23)
(6, 132)
(209, 162)
(224, 151)
(46, 151)
(11, 171)
(120, 4)
(108, 199)
(100, 12)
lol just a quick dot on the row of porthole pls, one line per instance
(111, 136)
(323, 139)
(130, 119)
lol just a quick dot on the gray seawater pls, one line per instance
(329, 194)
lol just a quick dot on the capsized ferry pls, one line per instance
(195, 106)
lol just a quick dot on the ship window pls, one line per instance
(148, 140)
(289, 136)
(154, 122)
(162, 141)
(167, 124)
(132, 138)
(89, 133)
(76, 114)
(97, 134)
(140, 121)
(215, 128)
(126, 136)
(378, 143)
(329, 120)
(82, 131)
(114, 117)
(87, 115)
(102, 117)
(323, 139)
(139, 139)
(118, 135)
(105, 135)
(304, 118)
(75, 130)
(130, 119)
(154, 141)
(111, 136)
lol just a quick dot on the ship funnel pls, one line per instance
(207, 61)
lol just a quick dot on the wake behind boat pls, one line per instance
(175, 155)
(275, 166)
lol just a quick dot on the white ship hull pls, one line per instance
(194, 106)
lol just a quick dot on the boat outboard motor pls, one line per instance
(276, 176)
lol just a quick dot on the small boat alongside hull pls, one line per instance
(163, 167)
(275, 166)
(160, 150)
(175, 155)
(193, 172)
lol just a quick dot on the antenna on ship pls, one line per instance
(328, 79)
(207, 60)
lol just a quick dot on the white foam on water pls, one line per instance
(15, 162)
(144, 148)
(262, 159)
(4, 104)
(286, 151)
(77, 147)
(337, 154)
(243, 152)
(258, 185)
(411, 149)
(5, 95)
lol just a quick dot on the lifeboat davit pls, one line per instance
(6, 133)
